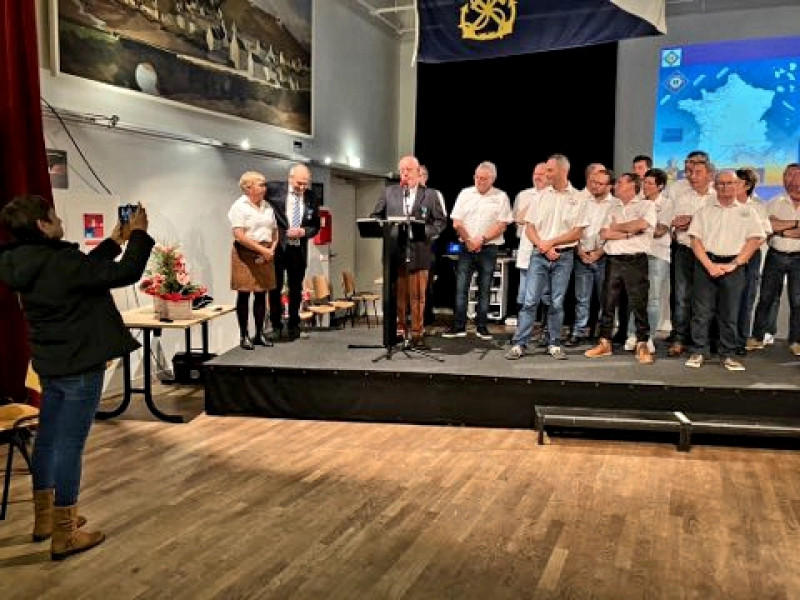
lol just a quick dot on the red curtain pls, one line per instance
(23, 167)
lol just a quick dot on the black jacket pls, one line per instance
(276, 196)
(426, 207)
(74, 324)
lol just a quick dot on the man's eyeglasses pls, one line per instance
(726, 183)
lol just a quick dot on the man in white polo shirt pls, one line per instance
(783, 260)
(556, 220)
(590, 266)
(678, 216)
(628, 233)
(480, 216)
(724, 234)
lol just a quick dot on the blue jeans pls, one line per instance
(543, 274)
(523, 274)
(483, 262)
(588, 278)
(776, 266)
(66, 415)
(657, 273)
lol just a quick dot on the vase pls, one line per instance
(172, 309)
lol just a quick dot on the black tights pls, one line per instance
(259, 310)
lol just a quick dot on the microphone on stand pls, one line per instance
(407, 214)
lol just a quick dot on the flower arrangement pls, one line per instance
(167, 277)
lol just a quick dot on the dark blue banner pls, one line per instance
(451, 30)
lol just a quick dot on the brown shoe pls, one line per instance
(676, 349)
(643, 355)
(603, 348)
(418, 341)
(67, 538)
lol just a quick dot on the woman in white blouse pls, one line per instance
(255, 235)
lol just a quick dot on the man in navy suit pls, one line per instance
(411, 198)
(297, 212)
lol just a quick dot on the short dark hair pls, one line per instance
(659, 175)
(698, 156)
(633, 177)
(750, 178)
(643, 157)
(21, 216)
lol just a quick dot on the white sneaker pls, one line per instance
(630, 343)
(557, 352)
(515, 353)
(651, 347)
(732, 364)
(695, 361)
(769, 339)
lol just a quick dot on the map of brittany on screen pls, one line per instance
(737, 100)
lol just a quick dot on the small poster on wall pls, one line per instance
(93, 228)
(57, 167)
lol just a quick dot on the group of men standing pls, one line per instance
(621, 238)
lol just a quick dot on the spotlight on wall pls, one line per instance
(328, 160)
(354, 161)
(245, 144)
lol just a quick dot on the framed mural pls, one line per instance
(247, 58)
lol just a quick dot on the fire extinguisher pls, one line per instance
(325, 235)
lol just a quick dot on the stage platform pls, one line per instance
(322, 377)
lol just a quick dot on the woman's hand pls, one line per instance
(117, 234)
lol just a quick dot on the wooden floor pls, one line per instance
(224, 507)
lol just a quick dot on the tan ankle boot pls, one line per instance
(643, 354)
(67, 538)
(43, 514)
(603, 348)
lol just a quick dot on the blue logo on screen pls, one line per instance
(671, 57)
(675, 82)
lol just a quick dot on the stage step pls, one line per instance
(648, 420)
(638, 420)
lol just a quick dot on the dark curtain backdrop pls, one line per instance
(23, 167)
(514, 111)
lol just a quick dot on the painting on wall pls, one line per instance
(57, 168)
(247, 58)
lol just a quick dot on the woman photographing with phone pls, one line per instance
(255, 235)
(74, 329)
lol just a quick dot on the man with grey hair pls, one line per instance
(296, 209)
(480, 216)
(678, 217)
(724, 235)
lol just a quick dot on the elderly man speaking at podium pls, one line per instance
(411, 199)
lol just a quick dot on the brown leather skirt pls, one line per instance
(247, 275)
